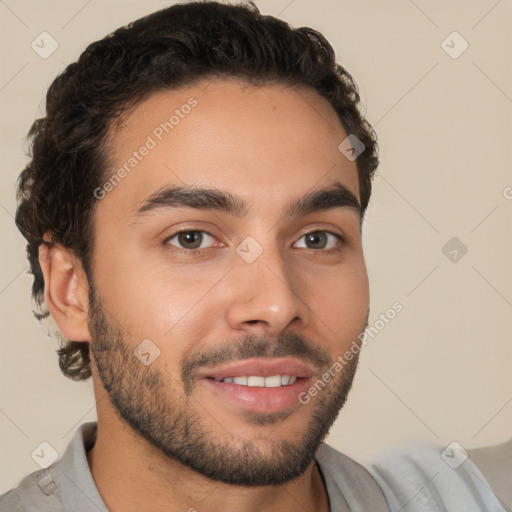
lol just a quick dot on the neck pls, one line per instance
(133, 475)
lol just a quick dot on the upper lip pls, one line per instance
(264, 367)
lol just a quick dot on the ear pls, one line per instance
(66, 291)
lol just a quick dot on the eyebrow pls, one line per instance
(206, 198)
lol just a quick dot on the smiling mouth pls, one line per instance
(259, 381)
(264, 372)
(266, 385)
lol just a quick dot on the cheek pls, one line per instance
(340, 300)
(176, 304)
(146, 288)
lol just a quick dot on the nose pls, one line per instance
(265, 296)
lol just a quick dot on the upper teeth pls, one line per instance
(273, 381)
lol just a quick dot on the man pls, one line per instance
(193, 212)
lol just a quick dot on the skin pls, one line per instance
(265, 145)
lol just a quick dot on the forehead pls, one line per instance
(250, 140)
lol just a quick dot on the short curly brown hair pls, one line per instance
(171, 48)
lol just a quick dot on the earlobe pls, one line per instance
(65, 291)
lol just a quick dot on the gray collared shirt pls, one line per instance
(68, 486)
(420, 477)
(414, 479)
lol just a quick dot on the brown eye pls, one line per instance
(321, 240)
(190, 239)
(316, 240)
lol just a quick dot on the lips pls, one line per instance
(259, 385)
(260, 368)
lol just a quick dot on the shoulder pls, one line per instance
(33, 493)
(65, 485)
(423, 476)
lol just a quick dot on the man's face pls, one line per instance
(222, 313)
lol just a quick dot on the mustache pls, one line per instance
(252, 346)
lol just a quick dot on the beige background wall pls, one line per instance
(440, 370)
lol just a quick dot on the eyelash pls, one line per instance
(199, 252)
